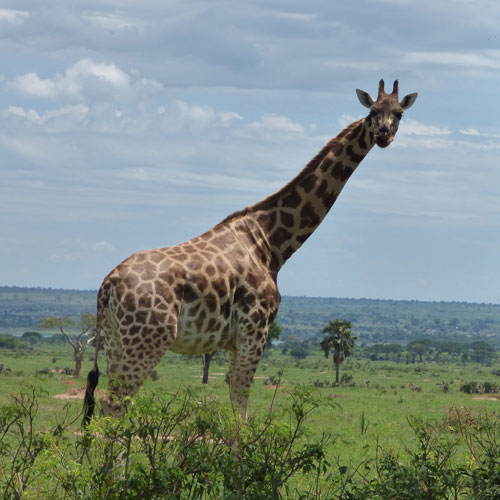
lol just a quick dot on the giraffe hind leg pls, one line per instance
(129, 367)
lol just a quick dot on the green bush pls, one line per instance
(475, 387)
(183, 447)
(166, 447)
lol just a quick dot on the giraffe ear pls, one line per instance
(365, 98)
(408, 100)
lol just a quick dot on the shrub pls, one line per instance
(345, 379)
(323, 383)
(274, 379)
(475, 387)
(184, 448)
(177, 447)
(444, 386)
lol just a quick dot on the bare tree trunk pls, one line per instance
(207, 357)
(337, 369)
(78, 364)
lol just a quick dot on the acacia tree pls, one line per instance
(339, 339)
(274, 333)
(80, 342)
(418, 348)
(32, 338)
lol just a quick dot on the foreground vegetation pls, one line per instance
(182, 448)
(390, 430)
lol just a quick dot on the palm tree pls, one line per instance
(338, 337)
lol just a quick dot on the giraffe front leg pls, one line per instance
(121, 386)
(243, 363)
(238, 392)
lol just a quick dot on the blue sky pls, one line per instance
(134, 125)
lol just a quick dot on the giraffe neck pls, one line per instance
(288, 217)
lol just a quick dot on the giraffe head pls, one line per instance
(385, 112)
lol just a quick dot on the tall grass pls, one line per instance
(392, 430)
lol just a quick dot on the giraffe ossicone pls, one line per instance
(219, 290)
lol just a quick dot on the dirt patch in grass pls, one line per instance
(69, 382)
(77, 393)
(488, 397)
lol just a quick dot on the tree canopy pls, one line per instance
(337, 336)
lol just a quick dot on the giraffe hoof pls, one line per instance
(111, 408)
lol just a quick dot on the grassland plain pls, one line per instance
(375, 408)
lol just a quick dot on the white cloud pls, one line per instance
(112, 22)
(80, 109)
(74, 112)
(413, 127)
(108, 73)
(194, 113)
(277, 123)
(13, 16)
(230, 116)
(179, 115)
(103, 246)
(485, 59)
(346, 120)
(31, 84)
(469, 131)
(296, 16)
(31, 114)
(86, 78)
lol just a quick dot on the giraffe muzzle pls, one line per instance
(383, 140)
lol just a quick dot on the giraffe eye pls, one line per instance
(398, 115)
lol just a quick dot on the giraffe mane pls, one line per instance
(271, 200)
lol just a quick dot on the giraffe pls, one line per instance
(219, 290)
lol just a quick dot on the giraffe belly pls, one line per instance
(200, 335)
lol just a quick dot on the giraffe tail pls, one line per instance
(92, 381)
(89, 399)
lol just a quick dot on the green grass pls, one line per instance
(375, 409)
(372, 413)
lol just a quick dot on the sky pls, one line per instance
(128, 125)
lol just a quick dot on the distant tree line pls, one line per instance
(431, 350)
(29, 339)
(386, 321)
(415, 351)
(375, 321)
